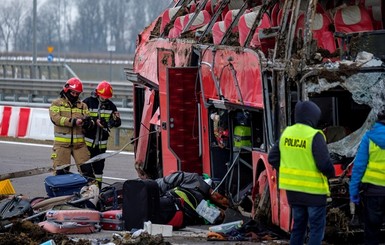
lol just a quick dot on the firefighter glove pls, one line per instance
(87, 123)
(103, 123)
(355, 199)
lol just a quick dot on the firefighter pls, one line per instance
(368, 175)
(70, 116)
(105, 115)
(302, 160)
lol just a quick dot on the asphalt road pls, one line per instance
(17, 156)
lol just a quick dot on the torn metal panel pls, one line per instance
(366, 88)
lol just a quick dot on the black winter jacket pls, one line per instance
(309, 114)
(93, 136)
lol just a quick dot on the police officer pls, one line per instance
(105, 115)
(303, 163)
(368, 175)
(69, 115)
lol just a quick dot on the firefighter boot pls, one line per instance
(99, 180)
(62, 171)
(87, 171)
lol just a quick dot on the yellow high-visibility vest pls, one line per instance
(298, 170)
(375, 171)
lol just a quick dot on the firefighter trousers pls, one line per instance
(61, 155)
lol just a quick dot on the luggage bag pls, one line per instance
(77, 221)
(170, 211)
(62, 185)
(111, 197)
(67, 228)
(112, 220)
(140, 203)
(16, 207)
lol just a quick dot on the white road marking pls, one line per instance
(42, 145)
(50, 146)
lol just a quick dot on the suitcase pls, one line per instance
(140, 203)
(112, 220)
(11, 209)
(62, 185)
(14, 208)
(76, 221)
(67, 227)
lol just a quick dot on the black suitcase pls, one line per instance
(140, 203)
(63, 185)
(16, 207)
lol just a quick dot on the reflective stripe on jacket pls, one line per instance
(66, 138)
(298, 170)
(97, 137)
(375, 171)
(91, 143)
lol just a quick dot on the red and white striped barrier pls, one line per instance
(24, 122)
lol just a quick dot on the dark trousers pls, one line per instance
(303, 216)
(98, 166)
(374, 207)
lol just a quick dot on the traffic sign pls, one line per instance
(50, 57)
(50, 49)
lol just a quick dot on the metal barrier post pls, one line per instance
(117, 135)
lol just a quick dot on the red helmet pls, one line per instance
(104, 90)
(73, 84)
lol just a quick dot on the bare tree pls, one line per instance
(10, 18)
(90, 35)
(77, 25)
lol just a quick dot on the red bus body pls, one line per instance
(193, 97)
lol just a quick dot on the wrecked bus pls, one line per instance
(217, 81)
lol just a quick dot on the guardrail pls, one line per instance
(19, 88)
(126, 114)
(18, 84)
(41, 70)
(45, 91)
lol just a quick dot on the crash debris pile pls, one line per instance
(26, 232)
(170, 204)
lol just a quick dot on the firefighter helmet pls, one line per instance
(104, 90)
(73, 84)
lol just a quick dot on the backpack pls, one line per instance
(111, 197)
(191, 200)
(170, 211)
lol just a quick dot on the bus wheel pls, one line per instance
(262, 205)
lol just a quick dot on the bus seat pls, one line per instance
(352, 19)
(218, 31)
(321, 32)
(202, 19)
(274, 14)
(167, 16)
(229, 17)
(376, 9)
(245, 24)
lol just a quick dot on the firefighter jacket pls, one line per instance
(298, 170)
(96, 136)
(63, 115)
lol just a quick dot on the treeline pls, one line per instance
(76, 26)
